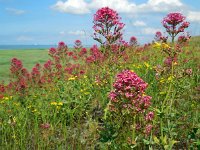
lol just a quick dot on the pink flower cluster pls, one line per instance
(175, 23)
(183, 39)
(159, 37)
(133, 41)
(16, 66)
(78, 44)
(107, 26)
(128, 93)
(96, 55)
(106, 14)
(168, 61)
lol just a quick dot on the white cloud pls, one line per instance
(193, 16)
(78, 32)
(139, 23)
(24, 38)
(161, 6)
(15, 11)
(72, 6)
(121, 6)
(150, 31)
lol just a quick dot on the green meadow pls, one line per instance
(29, 58)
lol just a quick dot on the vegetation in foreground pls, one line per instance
(118, 96)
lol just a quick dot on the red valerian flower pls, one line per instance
(133, 41)
(175, 23)
(128, 92)
(107, 26)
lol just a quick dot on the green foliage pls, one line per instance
(73, 112)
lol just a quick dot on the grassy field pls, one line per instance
(73, 110)
(28, 57)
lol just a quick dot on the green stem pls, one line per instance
(134, 126)
(165, 100)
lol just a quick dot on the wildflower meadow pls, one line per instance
(117, 95)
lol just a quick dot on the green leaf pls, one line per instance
(146, 142)
(164, 140)
(156, 140)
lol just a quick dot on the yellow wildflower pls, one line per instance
(29, 106)
(170, 78)
(165, 46)
(162, 80)
(175, 63)
(146, 64)
(53, 103)
(157, 45)
(72, 78)
(5, 98)
(162, 93)
(60, 103)
(34, 110)
(139, 66)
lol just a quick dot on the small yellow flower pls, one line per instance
(54, 103)
(16, 104)
(139, 66)
(5, 98)
(34, 110)
(105, 81)
(162, 93)
(146, 64)
(157, 45)
(170, 78)
(165, 46)
(162, 80)
(60, 103)
(71, 79)
(14, 136)
(29, 106)
(175, 63)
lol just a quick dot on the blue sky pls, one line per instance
(51, 21)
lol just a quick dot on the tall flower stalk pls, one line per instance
(107, 26)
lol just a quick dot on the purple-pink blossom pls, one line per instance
(128, 92)
(175, 23)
